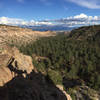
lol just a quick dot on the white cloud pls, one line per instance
(91, 4)
(78, 20)
(81, 16)
(15, 21)
(6, 20)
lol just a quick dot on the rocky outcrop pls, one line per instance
(12, 63)
(19, 80)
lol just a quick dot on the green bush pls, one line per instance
(55, 76)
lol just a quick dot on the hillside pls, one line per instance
(87, 32)
(16, 35)
(72, 61)
(65, 63)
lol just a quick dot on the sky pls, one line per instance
(50, 12)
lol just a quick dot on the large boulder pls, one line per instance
(12, 63)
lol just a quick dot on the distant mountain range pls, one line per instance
(50, 28)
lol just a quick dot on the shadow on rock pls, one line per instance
(34, 87)
(70, 83)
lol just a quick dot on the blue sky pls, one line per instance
(39, 10)
(46, 9)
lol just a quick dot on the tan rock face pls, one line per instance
(17, 35)
(5, 75)
(12, 62)
(22, 62)
(67, 95)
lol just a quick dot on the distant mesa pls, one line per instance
(17, 35)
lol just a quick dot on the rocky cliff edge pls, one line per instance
(19, 80)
